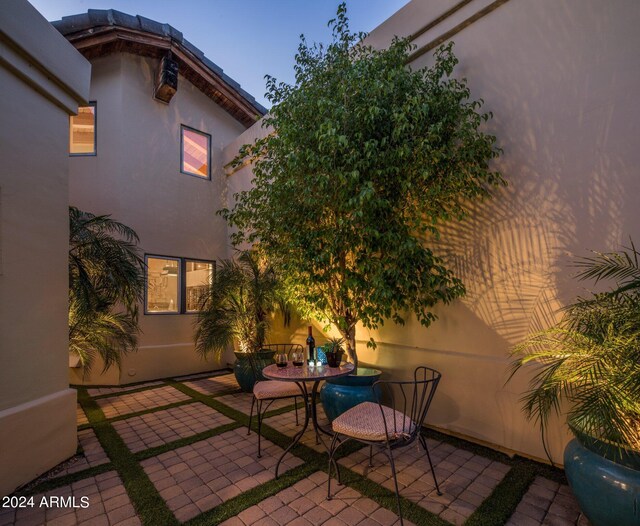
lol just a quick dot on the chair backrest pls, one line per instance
(411, 399)
(286, 348)
(257, 364)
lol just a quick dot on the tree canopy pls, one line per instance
(364, 159)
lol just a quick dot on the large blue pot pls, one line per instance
(608, 492)
(244, 372)
(340, 394)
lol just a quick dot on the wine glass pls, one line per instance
(281, 359)
(297, 358)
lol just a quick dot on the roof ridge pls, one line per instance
(94, 18)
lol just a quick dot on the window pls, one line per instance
(198, 276)
(176, 285)
(195, 152)
(82, 131)
(163, 278)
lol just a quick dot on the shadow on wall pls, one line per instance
(561, 87)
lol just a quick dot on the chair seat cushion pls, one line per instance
(275, 389)
(365, 422)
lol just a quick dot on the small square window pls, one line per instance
(198, 277)
(82, 131)
(163, 285)
(195, 152)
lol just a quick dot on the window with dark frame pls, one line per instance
(195, 152)
(176, 285)
(197, 277)
(82, 131)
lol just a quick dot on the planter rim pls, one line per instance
(366, 371)
(615, 452)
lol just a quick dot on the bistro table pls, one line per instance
(301, 375)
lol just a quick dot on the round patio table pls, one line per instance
(302, 375)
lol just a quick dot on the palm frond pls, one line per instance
(592, 358)
(106, 275)
(238, 306)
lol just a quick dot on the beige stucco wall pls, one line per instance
(136, 177)
(561, 78)
(43, 79)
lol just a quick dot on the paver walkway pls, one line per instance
(177, 451)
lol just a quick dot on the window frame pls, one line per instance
(95, 131)
(183, 305)
(146, 286)
(182, 283)
(208, 136)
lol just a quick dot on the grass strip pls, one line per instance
(187, 441)
(460, 443)
(56, 482)
(254, 496)
(503, 500)
(386, 498)
(304, 452)
(128, 391)
(150, 506)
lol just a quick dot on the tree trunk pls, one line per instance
(350, 337)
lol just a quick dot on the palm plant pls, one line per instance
(592, 358)
(237, 307)
(106, 282)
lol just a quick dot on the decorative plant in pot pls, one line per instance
(363, 159)
(592, 359)
(238, 307)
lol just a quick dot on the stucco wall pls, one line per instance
(561, 78)
(37, 410)
(136, 177)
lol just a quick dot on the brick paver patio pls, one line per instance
(93, 501)
(101, 391)
(161, 427)
(206, 468)
(195, 478)
(305, 504)
(92, 454)
(241, 402)
(132, 403)
(81, 418)
(214, 385)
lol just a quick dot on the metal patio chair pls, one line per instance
(392, 426)
(268, 391)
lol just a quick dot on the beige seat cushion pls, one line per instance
(275, 389)
(365, 422)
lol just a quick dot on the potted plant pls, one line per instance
(592, 359)
(238, 307)
(340, 394)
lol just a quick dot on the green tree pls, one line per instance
(106, 282)
(244, 293)
(366, 157)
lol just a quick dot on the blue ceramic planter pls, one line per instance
(340, 394)
(244, 372)
(608, 492)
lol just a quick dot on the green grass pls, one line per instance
(152, 510)
(146, 500)
(57, 482)
(252, 497)
(158, 450)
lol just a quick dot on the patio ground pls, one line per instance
(177, 451)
